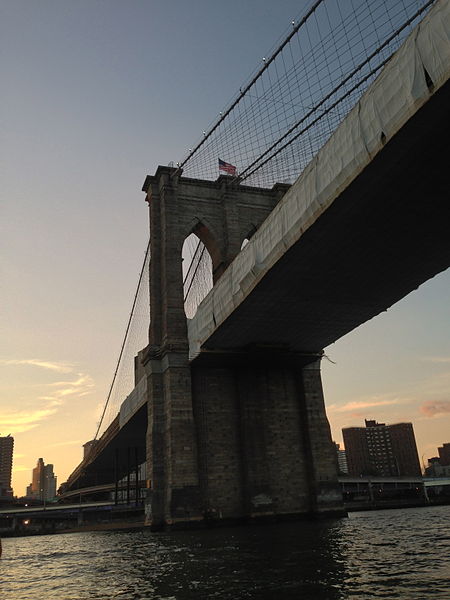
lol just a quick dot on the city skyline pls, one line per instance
(95, 99)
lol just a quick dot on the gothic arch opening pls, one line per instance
(197, 273)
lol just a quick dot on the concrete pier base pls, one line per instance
(264, 443)
(263, 449)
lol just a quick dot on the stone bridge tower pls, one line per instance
(215, 425)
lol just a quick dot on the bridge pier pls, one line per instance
(171, 443)
(239, 437)
(264, 442)
(234, 435)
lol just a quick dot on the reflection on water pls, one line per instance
(384, 554)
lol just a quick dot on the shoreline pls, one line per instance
(140, 525)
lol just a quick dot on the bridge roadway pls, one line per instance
(117, 452)
(365, 224)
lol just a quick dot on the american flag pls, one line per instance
(224, 166)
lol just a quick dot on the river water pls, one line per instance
(402, 553)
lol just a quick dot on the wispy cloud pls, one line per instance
(82, 386)
(21, 421)
(363, 404)
(20, 468)
(437, 359)
(54, 395)
(60, 367)
(68, 443)
(434, 408)
(82, 380)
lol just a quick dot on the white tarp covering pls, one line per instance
(133, 402)
(389, 102)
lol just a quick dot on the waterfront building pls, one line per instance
(342, 460)
(6, 461)
(444, 455)
(436, 469)
(439, 466)
(43, 484)
(381, 450)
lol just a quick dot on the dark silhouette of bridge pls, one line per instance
(228, 411)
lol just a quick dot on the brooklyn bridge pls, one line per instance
(337, 209)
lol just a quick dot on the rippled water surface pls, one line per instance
(384, 554)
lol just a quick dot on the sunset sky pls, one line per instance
(95, 95)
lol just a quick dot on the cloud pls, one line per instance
(437, 359)
(54, 395)
(363, 404)
(68, 443)
(21, 421)
(43, 364)
(82, 380)
(82, 386)
(25, 418)
(433, 408)
(21, 468)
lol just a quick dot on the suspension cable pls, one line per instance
(124, 339)
(325, 112)
(243, 92)
(195, 272)
(192, 262)
(245, 174)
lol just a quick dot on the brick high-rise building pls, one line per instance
(444, 454)
(6, 461)
(383, 450)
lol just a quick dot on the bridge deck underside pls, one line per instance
(115, 459)
(386, 234)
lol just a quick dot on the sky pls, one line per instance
(95, 95)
